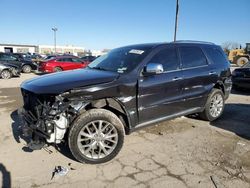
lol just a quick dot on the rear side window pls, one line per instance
(192, 57)
(168, 58)
(76, 60)
(215, 55)
(64, 60)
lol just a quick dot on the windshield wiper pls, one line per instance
(98, 68)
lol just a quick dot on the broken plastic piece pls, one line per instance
(59, 171)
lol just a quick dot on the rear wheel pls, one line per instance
(26, 68)
(214, 106)
(6, 74)
(57, 69)
(242, 61)
(96, 136)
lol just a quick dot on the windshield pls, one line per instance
(247, 65)
(121, 60)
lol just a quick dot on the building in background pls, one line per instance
(68, 49)
(18, 48)
(50, 49)
(99, 52)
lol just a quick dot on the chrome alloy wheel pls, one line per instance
(97, 139)
(6, 74)
(216, 105)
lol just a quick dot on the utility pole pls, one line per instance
(176, 19)
(55, 30)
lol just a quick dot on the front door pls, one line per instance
(160, 95)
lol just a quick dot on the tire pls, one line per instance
(6, 74)
(242, 61)
(58, 69)
(98, 149)
(26, 69)
(208, 114)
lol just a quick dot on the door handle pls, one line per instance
(177, 78)
(212, 73)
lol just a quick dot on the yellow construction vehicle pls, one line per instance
(239, 56)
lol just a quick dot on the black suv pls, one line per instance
(129, 88)
(14, 59)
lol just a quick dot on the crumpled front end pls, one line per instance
(45, 118)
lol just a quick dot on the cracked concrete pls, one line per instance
(184, 152)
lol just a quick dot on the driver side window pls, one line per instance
(168, 58)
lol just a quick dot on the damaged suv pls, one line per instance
(129, 88)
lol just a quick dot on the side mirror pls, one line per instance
(153, 69)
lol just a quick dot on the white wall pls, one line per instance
(15, 48)
(61, 49)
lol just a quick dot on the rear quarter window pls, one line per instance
(215, 55)
(192, 56)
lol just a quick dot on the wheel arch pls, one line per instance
(220, 85)
(113, 105)
(57, 66)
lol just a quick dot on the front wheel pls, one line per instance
(96, 136)
(6, 74)
(214, 106)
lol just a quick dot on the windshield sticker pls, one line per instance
(134, 51)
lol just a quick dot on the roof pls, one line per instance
(157, 44)
(192, 42)
(19, 45)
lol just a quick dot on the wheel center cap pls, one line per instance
(98, 137)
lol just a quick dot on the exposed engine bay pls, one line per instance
(45, 119)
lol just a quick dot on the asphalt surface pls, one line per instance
(185, 152)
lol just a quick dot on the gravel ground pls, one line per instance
(184, 152)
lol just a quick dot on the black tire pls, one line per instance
(85, 119)
(6, 74)
(242, 61)
(26, 69)
(206, 114)
(58, 69)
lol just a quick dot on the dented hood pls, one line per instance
(57, 83)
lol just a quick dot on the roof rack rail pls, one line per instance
(192, 41)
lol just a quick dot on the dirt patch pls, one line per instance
(10, 99)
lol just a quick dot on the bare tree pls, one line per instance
(230, 45)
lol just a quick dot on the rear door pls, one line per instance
(78, 63)
(160, 95)
(196, 74)
(65, 63)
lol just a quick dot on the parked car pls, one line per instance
(89, 58)
(22, 56)
(127, 89)
(62, 63)
(241, 77)
(7, 71)
(25, 65)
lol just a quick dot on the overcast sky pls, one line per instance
(98, 24)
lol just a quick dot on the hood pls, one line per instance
(57, 83)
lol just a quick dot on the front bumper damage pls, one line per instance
(45, 121)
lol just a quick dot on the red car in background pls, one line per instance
(62, 63)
